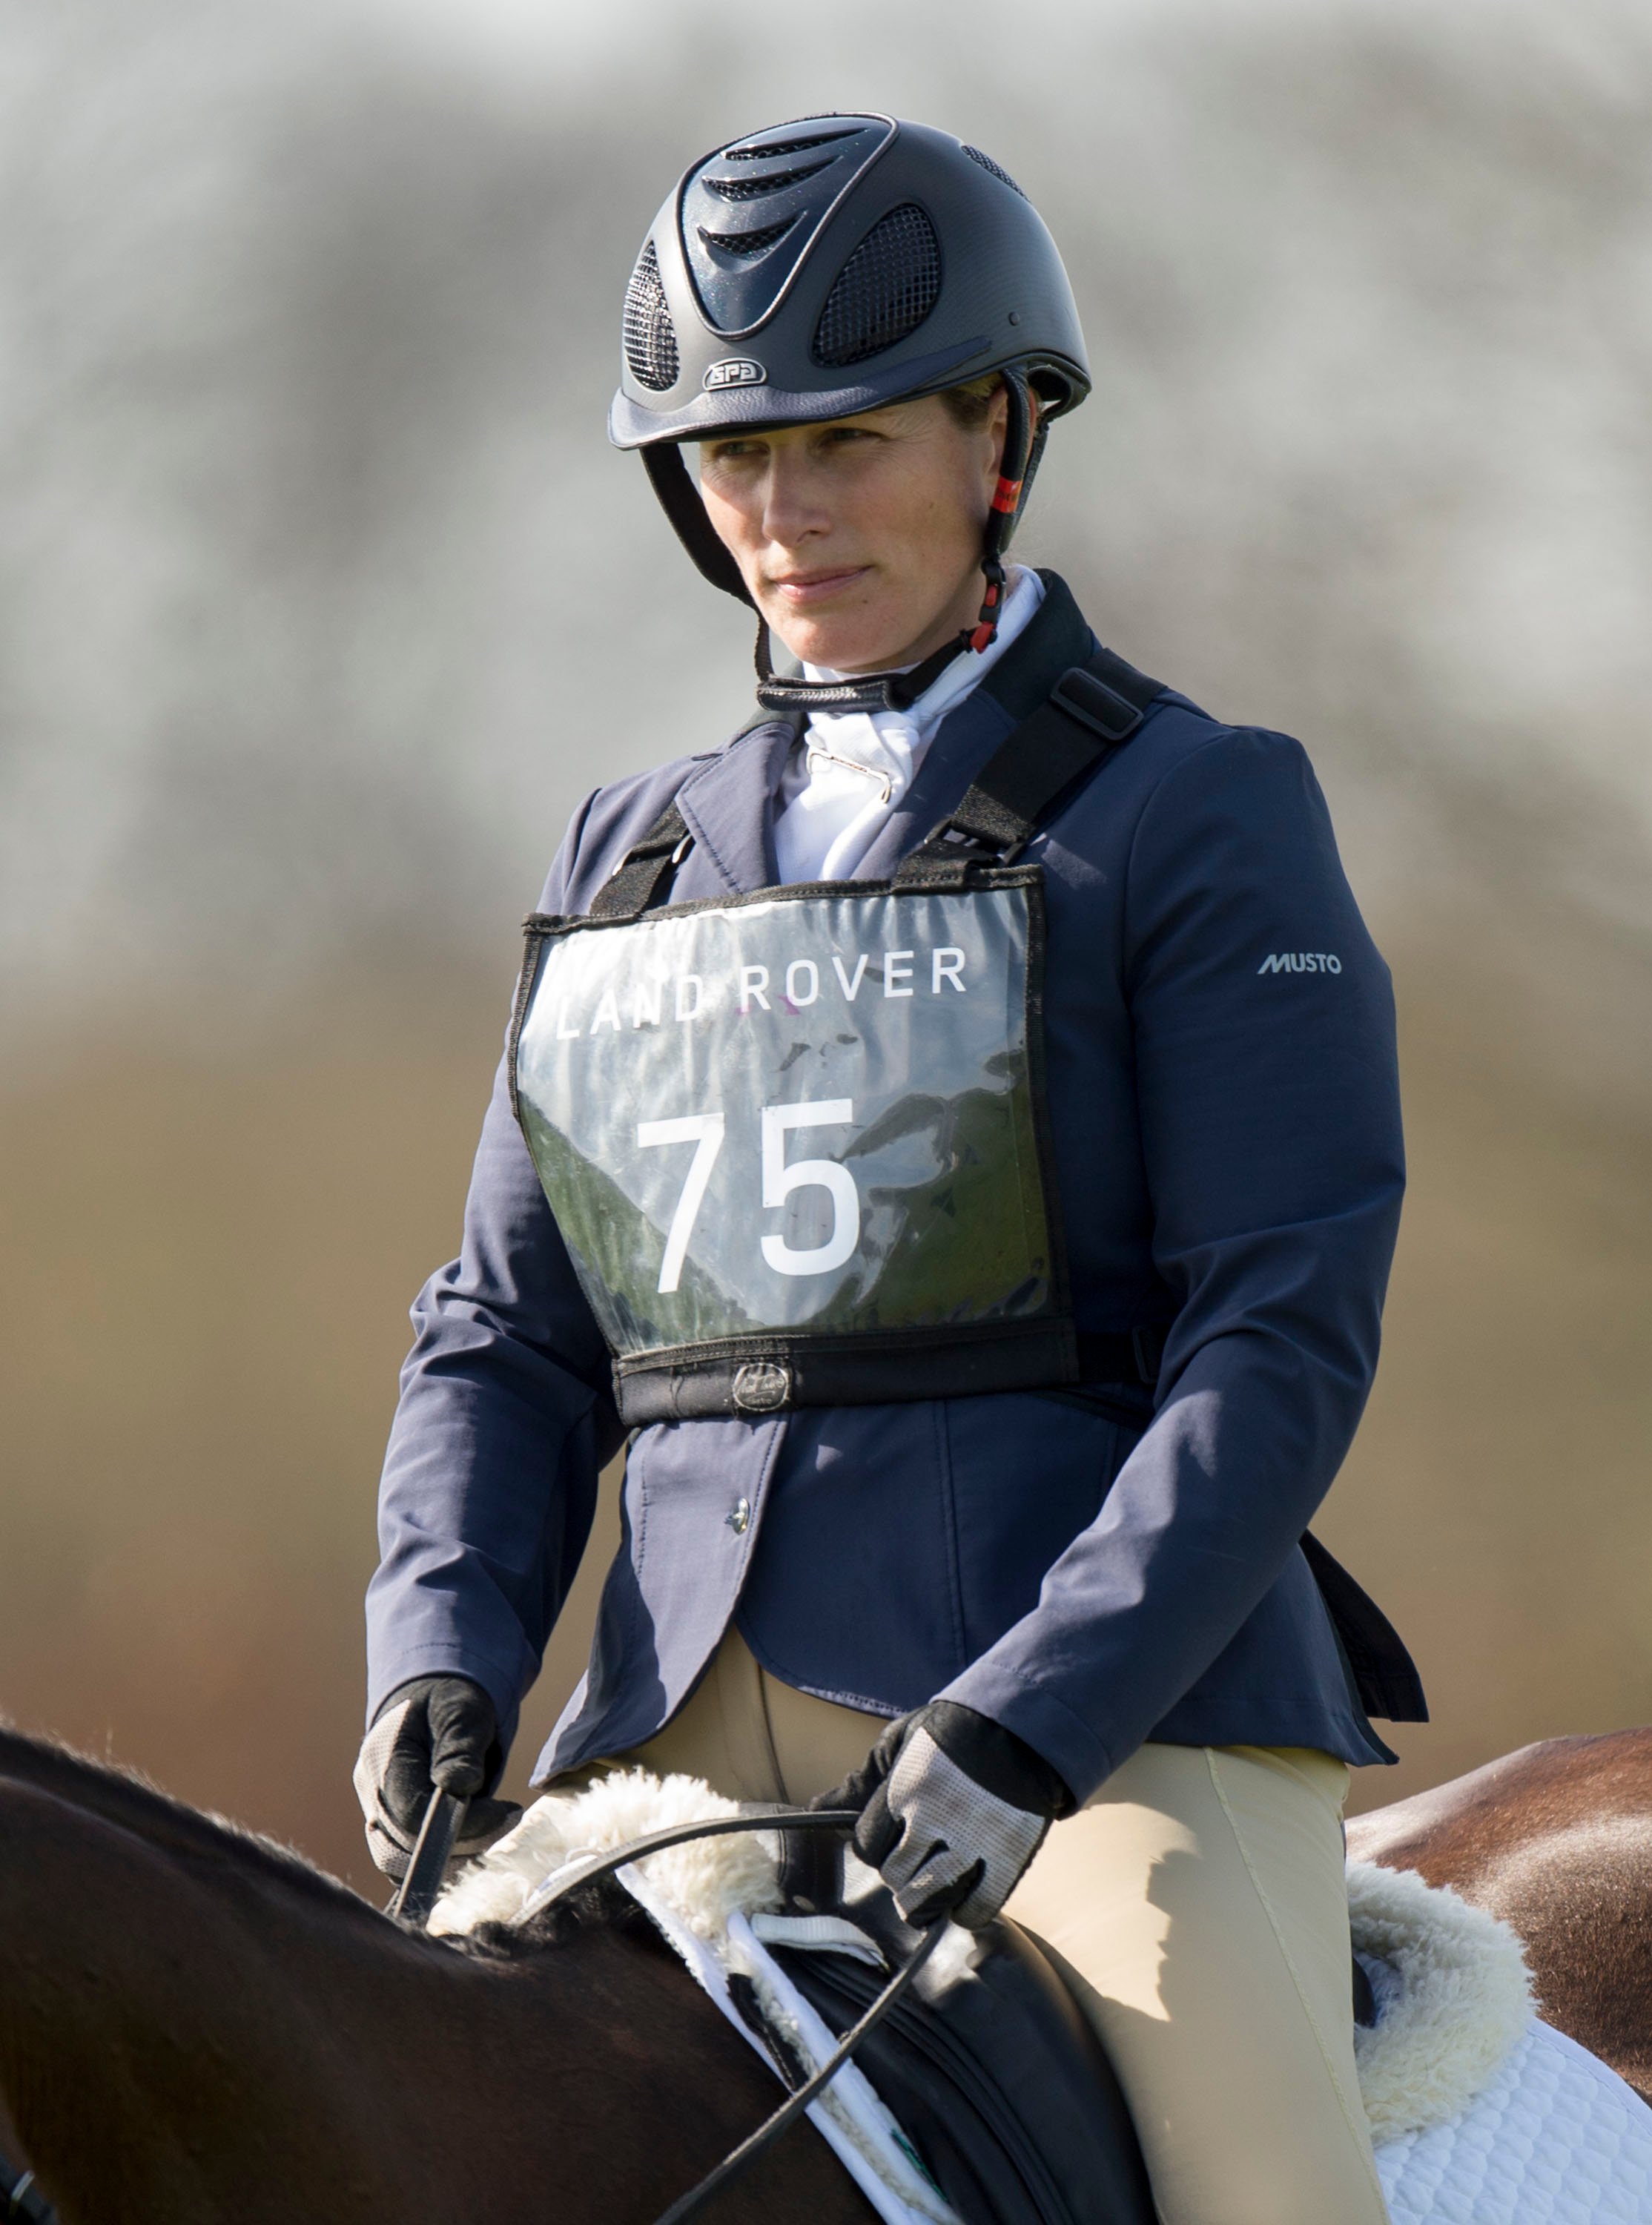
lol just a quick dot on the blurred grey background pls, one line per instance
(324, 601)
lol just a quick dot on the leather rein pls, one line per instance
(419, 1890)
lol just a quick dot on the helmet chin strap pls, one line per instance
(1024, 443)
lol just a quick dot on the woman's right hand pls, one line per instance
(435, 1731)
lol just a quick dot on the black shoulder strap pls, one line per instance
(636, 881)
(1091, 711)
(644, 870)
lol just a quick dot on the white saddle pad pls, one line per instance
(1556, 2139)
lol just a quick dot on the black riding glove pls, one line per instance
(954, 1807)
(435, 1731)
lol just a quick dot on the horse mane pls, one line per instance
(602, 1905)
(127, 1798)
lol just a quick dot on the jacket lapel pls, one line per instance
(728, 805)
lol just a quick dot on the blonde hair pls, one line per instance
(971, 404)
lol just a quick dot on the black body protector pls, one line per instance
(796, 1141)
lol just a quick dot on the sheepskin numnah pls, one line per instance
(706, 1881)
(1459, 2002)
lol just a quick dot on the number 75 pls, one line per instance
(705, 1131)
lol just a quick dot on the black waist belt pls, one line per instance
(693, 1384)
(1133, 1355)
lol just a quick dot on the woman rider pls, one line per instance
(982, 1244)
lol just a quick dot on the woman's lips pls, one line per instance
(801, 589)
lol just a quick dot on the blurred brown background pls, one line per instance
(319, 583)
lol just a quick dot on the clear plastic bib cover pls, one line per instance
(802, 1113)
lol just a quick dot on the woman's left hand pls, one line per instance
(954, 1807)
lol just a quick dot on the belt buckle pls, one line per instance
(762, 1386)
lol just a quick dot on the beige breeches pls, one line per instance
(1197, 1907)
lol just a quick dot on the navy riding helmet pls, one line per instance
(829, 266)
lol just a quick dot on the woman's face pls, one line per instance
(860, 540)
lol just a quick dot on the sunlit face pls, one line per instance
(860, 540)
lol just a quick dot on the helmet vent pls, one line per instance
(650, 337)
(884, 291)
(787, 146)
(752, 189)
(748, 243)
(997, 168)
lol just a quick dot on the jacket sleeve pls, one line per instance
(503, 1424)
(1269, 1103)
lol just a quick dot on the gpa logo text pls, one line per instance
(734, 371)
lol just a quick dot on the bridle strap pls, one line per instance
(709, 1827)
(421, 1887)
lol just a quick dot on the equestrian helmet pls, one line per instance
(829, 266)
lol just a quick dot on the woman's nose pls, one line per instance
(794, 509)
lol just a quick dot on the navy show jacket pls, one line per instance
(1223, 1104)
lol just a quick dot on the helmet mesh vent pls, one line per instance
(748, 243)
(884, 291)
(787, 146)
(650, 337)
(752, 189)
(997, 168)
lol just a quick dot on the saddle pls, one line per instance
(992, 2071)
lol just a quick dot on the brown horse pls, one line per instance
(1557, 1840)
(197, 2027)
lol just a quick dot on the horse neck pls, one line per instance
(186, 2004)
(246, 2045)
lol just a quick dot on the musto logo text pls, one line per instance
(1301, 961)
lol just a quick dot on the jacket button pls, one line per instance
(740, 1517)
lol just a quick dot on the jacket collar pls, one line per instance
(728, 803)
